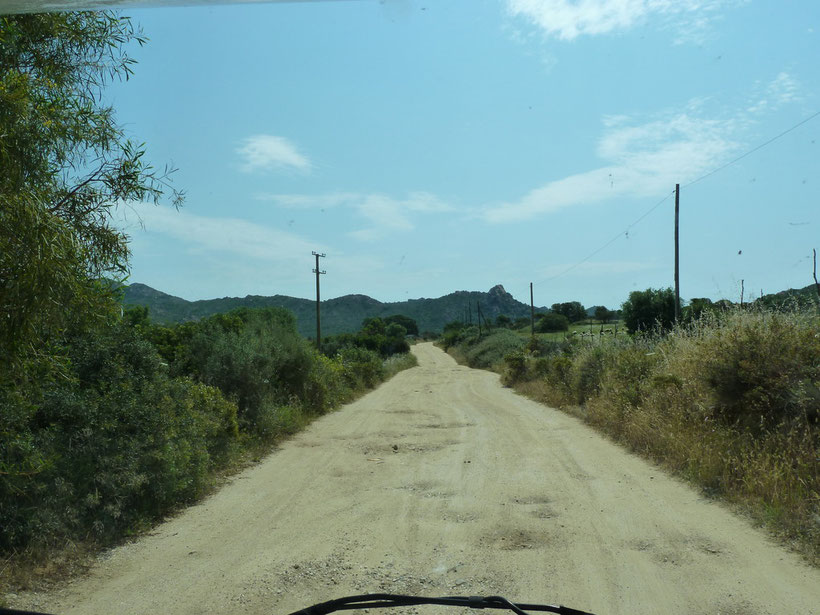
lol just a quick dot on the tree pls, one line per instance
(405, 321)
(503, 321)
(696, 308)
(395, 331)
(650, 308)
(573, 310)
(549, 323)
(373, 326)
(64, 166)
(603, 315)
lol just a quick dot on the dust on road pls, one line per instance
(442, 482)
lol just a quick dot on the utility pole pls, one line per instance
(478, 308)
(677, 254)
(318, 272)
(532, 314)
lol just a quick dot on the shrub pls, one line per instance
(550, 323)
(490, 351)
(255, 357)
(118, 445)
(648, 309)
(587, 372)
(362, 368)
(760, 368)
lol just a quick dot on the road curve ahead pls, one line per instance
(442, 482)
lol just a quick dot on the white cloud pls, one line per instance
(383, 214)
(643, 160)
(266, 152)
(309, 201)
(218, 235)
(781, 90)
(568, 19)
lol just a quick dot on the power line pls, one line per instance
(611, 241)
(753, 150)
(625, 232)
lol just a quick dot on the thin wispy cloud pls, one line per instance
(383, 214)
(309, 201)
(217, 235)
(642, 160)
(568, 19)
(781, 90)
(269, 152)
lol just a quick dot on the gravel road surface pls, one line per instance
(442, 482)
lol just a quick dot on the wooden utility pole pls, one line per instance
(478, 308)
(742, 289)
(677, 254)
(814, 271)
(532, 314)
(318, 272)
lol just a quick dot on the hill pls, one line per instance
(793, 297)
(339, 315)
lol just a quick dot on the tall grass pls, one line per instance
(730, 402)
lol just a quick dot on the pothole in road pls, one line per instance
(407, 447)
(465, 517)
(454, 425)
(517, 539)
(544, 513)
(532, 499)
(427, 489)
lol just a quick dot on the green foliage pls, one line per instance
(762, 369)
(255, 357)
(573, 310)
(119, 444)
(64, 164)
(410, 325)
(697, 308)
(399, 362)
(339, 315)
(379, 336)
(552, 322)
(362, 368)
(646, 310)
(603, 315)
(730, 400)
(489, 351)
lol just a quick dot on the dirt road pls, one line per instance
(441, 482)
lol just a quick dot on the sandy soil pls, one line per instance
(442, 482)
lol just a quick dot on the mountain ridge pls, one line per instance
(339, 315)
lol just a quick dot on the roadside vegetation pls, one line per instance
(109, 422)
(728, 399)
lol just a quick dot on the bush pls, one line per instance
(362, 368)
(489, 351)
(550, 323)
(255, 357)
(646, 310)
(760, 368)
(730, 400)
(118, 445)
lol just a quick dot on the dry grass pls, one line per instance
(731, 403)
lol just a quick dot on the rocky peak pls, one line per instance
(498, 290)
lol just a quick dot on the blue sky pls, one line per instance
(428, 146)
